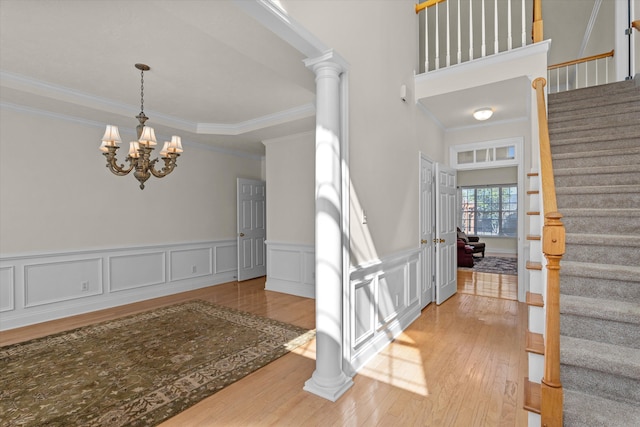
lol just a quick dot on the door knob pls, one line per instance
(442, 240)
(241, 234)
(423, 241)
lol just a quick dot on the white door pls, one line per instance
(252, 229)
(446, 236)
(426, 231)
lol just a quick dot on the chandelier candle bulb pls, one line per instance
(175, 146)
(111, 135)
(148, 137)
(133, 149)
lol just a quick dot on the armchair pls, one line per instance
(465, 254)
(473, 241)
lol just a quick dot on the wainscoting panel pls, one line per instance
(190, 263)
(136, 270)
(55, 282)
(7, 297)
(291, 269)
(36, 288)
(385, 298)
(225, 258)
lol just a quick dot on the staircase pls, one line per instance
(595, 145)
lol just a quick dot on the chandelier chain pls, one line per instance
(142, 91)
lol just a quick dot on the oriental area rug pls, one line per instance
(494, 264)
(138, 370)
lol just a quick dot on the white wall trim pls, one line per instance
(291, 269)
(40, 287)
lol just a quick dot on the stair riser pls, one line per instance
(612, 200)
(593, 179)
(599, 383)
(607, 331)
(617, 290)
(602, 225)
(596, 254)
(582, 162)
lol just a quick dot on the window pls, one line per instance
(490, 210)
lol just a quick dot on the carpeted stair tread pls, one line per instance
(602, 175)
(621, 138)
(580, 108)
(597, 189)
(602, 221)
(586, 410)
(629, 273)
(611, 359)
(611, 157)
(617, 196)
(603, 240)
(603, 309)
(617, 282)
(604, 120)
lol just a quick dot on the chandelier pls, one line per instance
(140, 150)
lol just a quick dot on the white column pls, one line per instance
(328, 380)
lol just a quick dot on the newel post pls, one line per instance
(553, 246)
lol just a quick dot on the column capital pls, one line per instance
(328, 57)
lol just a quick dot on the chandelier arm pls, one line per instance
(112, 164)
(169, 166)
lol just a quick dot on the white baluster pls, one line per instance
(596, 72)
(577, 80)
(426, 40)
(586, 74)
(459, 38)
(509, 38)
(495, 27)
(566, 77)
(484, 46)
(437, 58)
(470, 31)
(606, 70)
(524, 27)
(448, 56)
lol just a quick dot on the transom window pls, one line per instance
(490, 210)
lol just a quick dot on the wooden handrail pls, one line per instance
(537, 29)
(553, 246)
(422, 6)
(581, 60)
(636, 24)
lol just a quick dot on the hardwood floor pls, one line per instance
(459, 364)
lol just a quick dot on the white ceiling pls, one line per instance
(217, 75)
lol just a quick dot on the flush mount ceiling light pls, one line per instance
(483, 113)
(140, 150)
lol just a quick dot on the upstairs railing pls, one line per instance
(584, 72)
(553, 246)
(457, 31)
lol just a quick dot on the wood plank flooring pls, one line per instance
(460, 364)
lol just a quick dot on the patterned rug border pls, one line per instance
(490, 264)
(276, 339)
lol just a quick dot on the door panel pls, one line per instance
(251, 229)
(446, 236)
(426, 231)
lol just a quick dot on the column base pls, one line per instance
(332, 392)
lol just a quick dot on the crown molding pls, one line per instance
(64, 94)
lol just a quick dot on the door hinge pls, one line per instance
(628, 31)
